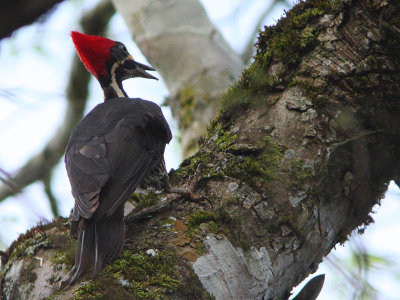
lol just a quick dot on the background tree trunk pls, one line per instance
(305, 144)
(194, 60)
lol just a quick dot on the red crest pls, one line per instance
(93, 51)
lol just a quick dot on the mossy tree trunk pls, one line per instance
(304, 146)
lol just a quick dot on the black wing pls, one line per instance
(110, 151)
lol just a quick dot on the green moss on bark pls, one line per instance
(65, 253)
(283, 44)
(38, 237)
(149, 277)
(299, 173)
(187, 97)
(257, 170)
(135, 275)
(189, 165)
(219, 222)
(224, 139)
(106, 287)
(144, 200)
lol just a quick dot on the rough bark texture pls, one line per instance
(194, 60)
(305, 145)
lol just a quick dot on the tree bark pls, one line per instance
(194, 60)
(304, 146)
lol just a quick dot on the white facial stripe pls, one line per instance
(117, 89)
(114, 83)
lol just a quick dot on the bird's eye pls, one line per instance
(122, 46)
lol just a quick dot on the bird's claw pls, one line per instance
(186, 193)
(200, 198)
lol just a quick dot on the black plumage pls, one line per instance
(109, 153)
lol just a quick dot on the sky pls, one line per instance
(33, 75)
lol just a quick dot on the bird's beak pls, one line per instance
(135, 69)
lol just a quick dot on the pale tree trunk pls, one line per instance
(194, 60)
(305, 145)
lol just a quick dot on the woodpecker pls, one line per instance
(110, 152)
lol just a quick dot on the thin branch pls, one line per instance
(7, 180)
(52, 199)
(150, 212)
(37, 168)
(359, 136)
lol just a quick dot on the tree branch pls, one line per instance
(50, 196)
(40, 165)
(15, 14)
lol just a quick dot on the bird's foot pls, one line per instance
(188, 195)
(187, 191)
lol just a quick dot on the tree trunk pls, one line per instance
(305, 145)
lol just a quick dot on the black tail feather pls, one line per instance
(98, 255)
(83, 253)
(100, 243)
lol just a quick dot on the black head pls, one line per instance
(124, 66)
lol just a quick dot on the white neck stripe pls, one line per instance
(114, 83)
